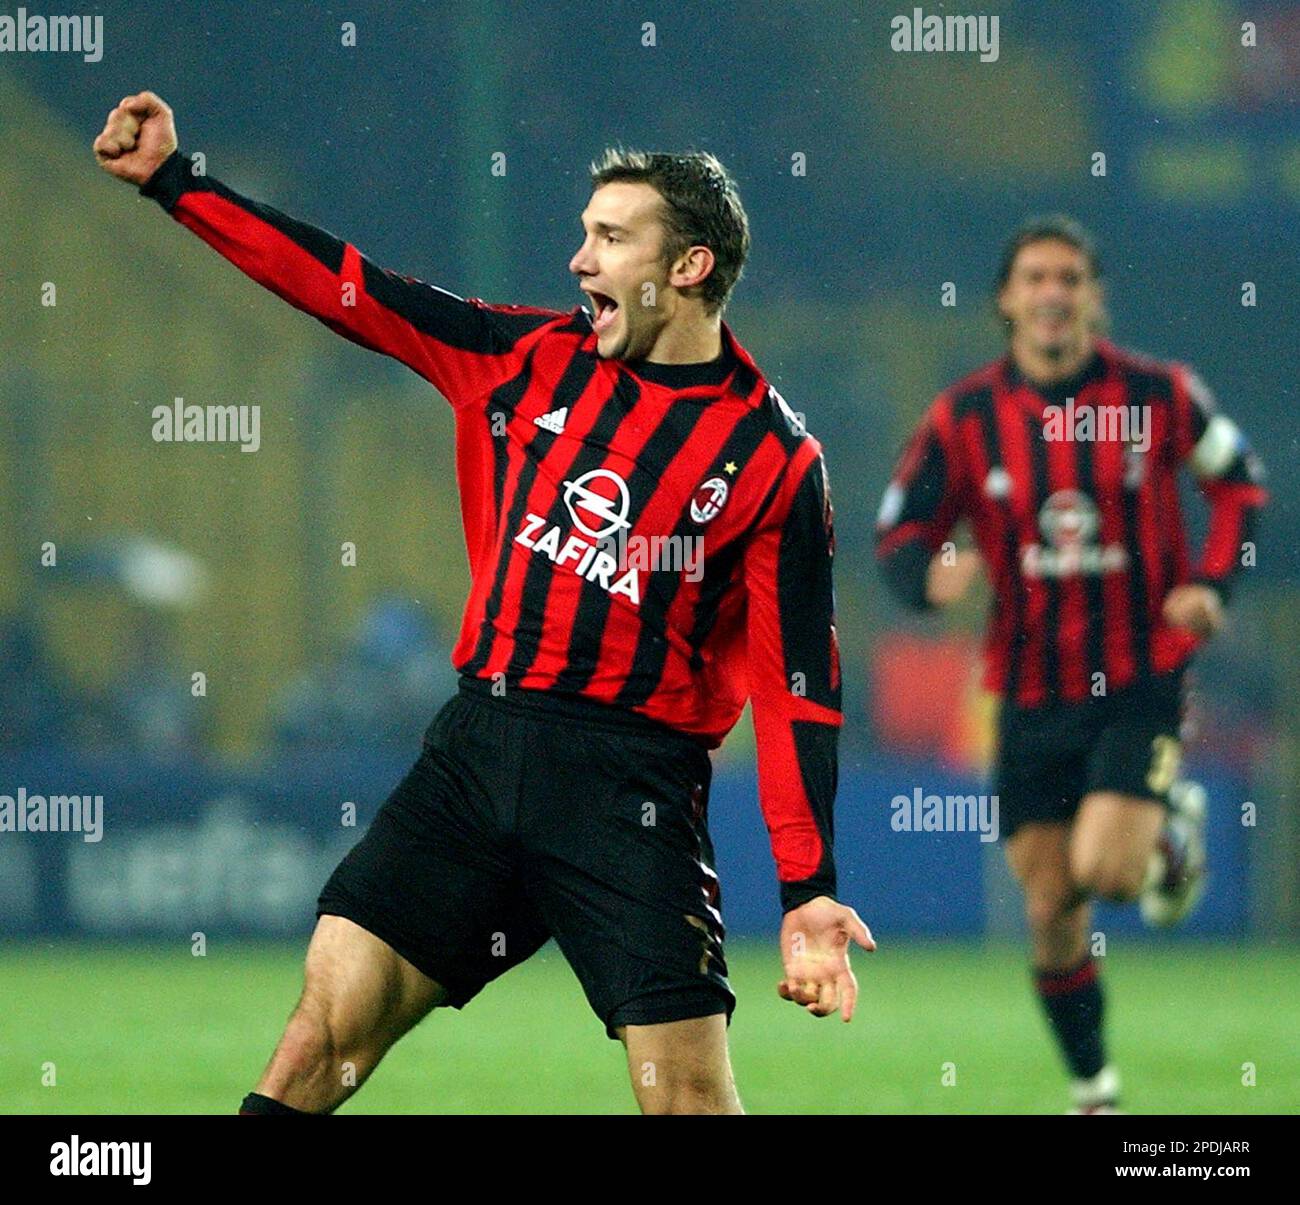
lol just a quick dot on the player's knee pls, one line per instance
(1113, 881)
(691, 1095)
(687, 1088)
(1090, 874)
(1047, 911)
(1118, 884)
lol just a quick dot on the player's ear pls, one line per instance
(692, 266)
(1098, 295)
(1001, 302)
(1100, 316)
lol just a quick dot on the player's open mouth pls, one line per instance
(1053, 314)
(606, 311)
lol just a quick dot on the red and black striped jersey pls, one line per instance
(1072, 495)
(657, 538)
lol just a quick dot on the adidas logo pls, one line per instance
(553, 422)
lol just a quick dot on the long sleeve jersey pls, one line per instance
(1072, 495)
(657, 538)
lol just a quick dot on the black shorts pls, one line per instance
(527, 817)
(1050, 757)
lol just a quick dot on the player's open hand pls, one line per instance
(1196, 607)
(138, 137)
(815, 949)
(950, 575)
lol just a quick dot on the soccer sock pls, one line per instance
(1074, 1004)
(255, 1104)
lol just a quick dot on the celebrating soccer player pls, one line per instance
(563, 792)
(1063, 456)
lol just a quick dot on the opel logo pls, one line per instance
(588, 506)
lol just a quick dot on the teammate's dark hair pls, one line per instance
(1055, 227)
(701, 208)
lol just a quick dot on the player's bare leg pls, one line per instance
(359, 996)
(1058, 915)
(1130, 848)
(1065, 975)
(1111, 846)
(681, 1066)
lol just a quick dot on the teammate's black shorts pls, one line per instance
(1050, 757)
(528, 817)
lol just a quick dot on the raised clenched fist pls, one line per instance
(138, 137)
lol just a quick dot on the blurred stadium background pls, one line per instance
(222, 811)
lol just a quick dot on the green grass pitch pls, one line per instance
(150, 1030)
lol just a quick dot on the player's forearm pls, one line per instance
(794, 678)
(300, 263)
(462, 347)
(798, 771)
(1230, 475)
(1229, 541)
(799, 890)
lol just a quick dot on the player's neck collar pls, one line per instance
(683, 376)
(1094, 368)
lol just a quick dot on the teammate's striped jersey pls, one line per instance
(1072, 495)
(657, 538)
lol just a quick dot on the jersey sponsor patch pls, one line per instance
(1070, 525)
(585, 559)
(598, 502)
